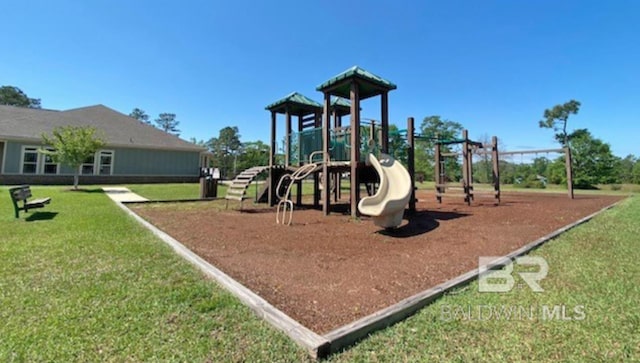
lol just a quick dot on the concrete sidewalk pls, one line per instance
(122, 194)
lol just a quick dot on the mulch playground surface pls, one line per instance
(328, 271)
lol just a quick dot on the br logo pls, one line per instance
(502, 280)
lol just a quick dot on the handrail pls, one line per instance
(301, 173)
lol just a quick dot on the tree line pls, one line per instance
(593, 160)
(14, 96)
(165, 121)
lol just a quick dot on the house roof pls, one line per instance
(117, 129)
(370, 85)
(296, 103)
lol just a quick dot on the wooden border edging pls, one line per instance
(351, 333)
(151, 201)
(316, 345)
(347, 335)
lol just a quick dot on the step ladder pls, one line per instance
(237, 190)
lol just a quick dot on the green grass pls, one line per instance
(90, 284)
(594, 266)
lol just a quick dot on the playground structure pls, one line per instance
(388, 204)
(320, 132)
(567, 160)
(469, 147)
(323, 148)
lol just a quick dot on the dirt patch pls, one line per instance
(328, 271)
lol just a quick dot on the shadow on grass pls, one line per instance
(420, 223)
(85, 190)
(41, 216)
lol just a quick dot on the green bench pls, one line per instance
(22, 194)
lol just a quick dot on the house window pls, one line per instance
(87, 167)
(101, 163)
(29, 160)
(106, 163)
(49, 166)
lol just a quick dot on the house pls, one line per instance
(135, 152)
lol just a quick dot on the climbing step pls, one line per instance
(237, 190)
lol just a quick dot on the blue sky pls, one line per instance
(493, 66)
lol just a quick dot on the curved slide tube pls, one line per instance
(388, 204)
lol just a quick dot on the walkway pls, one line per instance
(122, 194)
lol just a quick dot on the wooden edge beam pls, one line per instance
(349, 334)
(316, 345)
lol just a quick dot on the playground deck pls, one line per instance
(326, 272)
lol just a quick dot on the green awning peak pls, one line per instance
(296, 103)
(371, 84)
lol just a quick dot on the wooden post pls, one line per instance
(326, 138)
(316, 176)
(355, 148)
(470, 170)
(372, 136)
(465, 166)
(334, 178)
(338, 192)
(287, 138)
(214, 188)
(569, 167)
(272, 157)
(203, 185)
(437, 170)
(384, 105)
(300, 162)
(316, 190)
(495, 158)
(411, 163)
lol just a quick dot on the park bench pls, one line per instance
(22, 194)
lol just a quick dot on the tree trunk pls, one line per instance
(76, 178)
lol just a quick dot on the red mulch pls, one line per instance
(328, 271)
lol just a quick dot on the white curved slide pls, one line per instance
(388, 204)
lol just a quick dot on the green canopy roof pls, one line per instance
(373, 85)
(340, 102)
(341, 106)
(296, 103)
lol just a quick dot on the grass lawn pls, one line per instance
(89, 284)
(83, 282)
